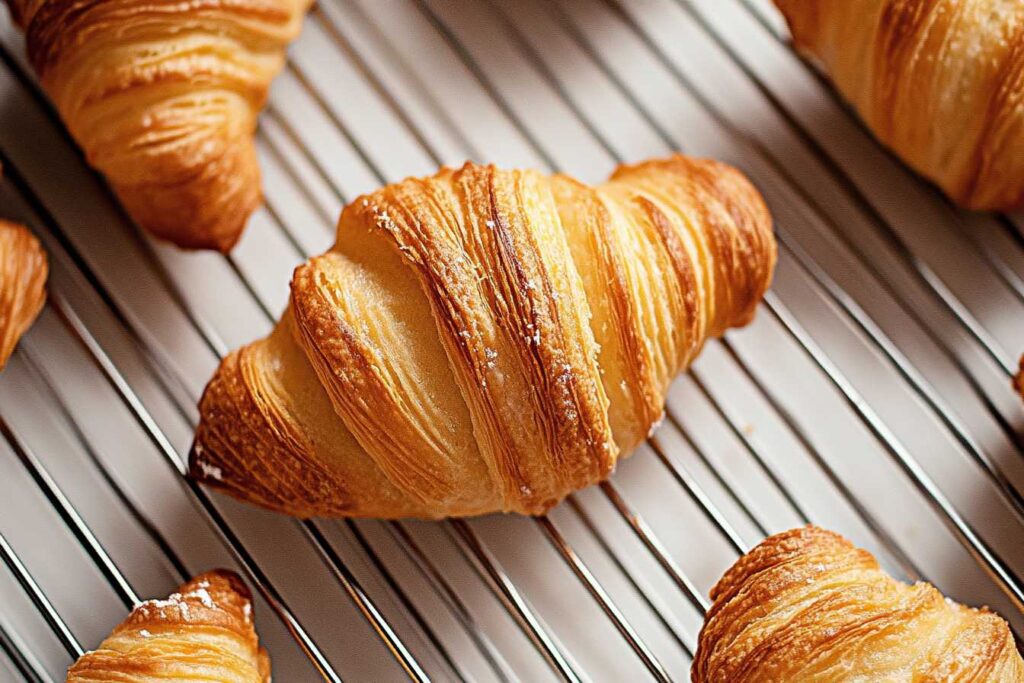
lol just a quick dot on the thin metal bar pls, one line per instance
(974, 545)
(427, 94)
(698, 495)
(748, 444)
(654, 545)
(293, 175)
(407, 603)
(909, 568)
(280, 120)
(657, 610)
(906, 370)
(530, 623)
(408, 545)
(199, 496)
(39, 599)
(602, 598)
(362, 600)
(300, 76)
(70, 516)
(28, 196)
(478, 73)
(23, 662)
(548, 74)
(378, 86)
(42, 377)
(715, 474)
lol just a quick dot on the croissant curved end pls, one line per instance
(203, 631)
(807, 605)
(939, 82)
(23, 271)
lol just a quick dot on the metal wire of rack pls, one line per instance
(871, 395)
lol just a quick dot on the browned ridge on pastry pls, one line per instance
(806, 605)
(162, 96)
(484, 340)
(941, 82)
(202, 632)
(22, 284)
(1018, 379)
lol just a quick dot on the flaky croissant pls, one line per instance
(202, 632)
(163, 95)
(23, 271)
(806, 605)
(484, 340)
(941, 82)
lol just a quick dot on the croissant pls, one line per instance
(941, 82)
(484, 340)
(806, 605)
(202, 632)
(22, 284)
(162, 96)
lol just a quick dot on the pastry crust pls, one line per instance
(806, 605)
(1018, 379)
(484, 340)
(202, 632)
(941, 82)
(23, 270)
(162, 96)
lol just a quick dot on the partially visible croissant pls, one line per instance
(941, 82)
(163, 95)
(484, 340)
(806, 605)
(22, 284)
(202, 632)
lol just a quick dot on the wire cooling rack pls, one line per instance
(871, 395)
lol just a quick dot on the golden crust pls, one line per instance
(203, 631)
(163, 96)
(806, 605)
(1018, 379)
(941, 82)
(484, 340)
(23, 270)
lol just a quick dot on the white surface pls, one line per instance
(571, 85)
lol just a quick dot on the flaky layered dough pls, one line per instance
(162, 96)
(941, 82)
(23, 272)
(806, 605)
(484, 340)
(202, 632)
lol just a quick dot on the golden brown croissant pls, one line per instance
(806, 605)
(203, 632)
(163, 95)
(22, 284)
(484, 340)
(941, 82)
